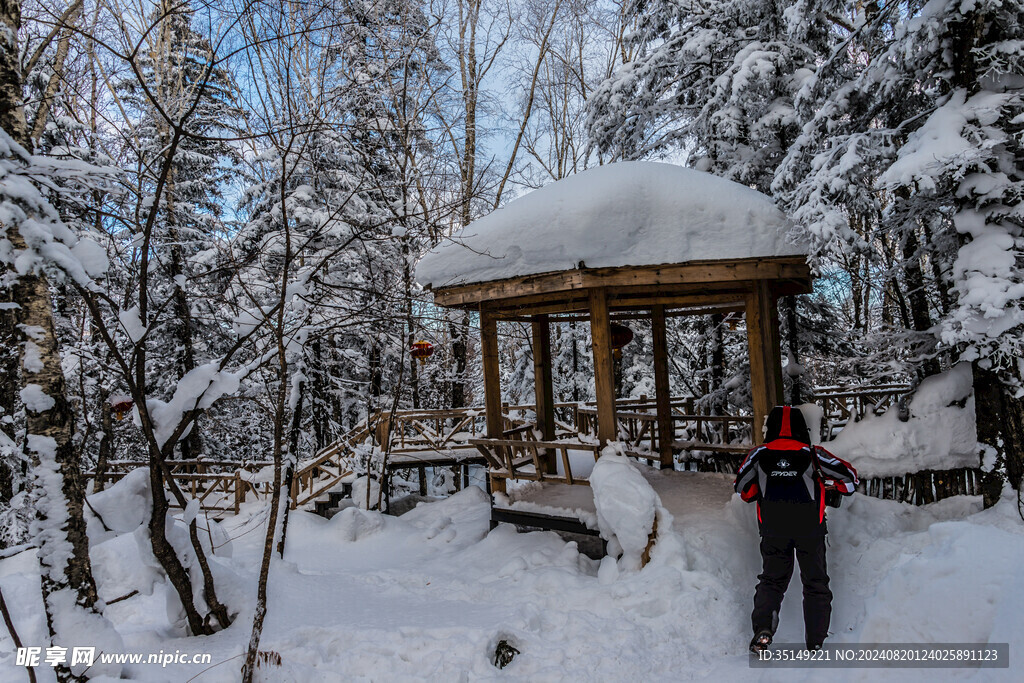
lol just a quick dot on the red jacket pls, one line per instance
(787, 477)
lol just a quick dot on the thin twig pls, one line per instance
(14, 633)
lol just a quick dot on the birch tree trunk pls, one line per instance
(58, 493)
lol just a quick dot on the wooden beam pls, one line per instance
(625, 297)
(604, 369)
(492, 384)
(666, 433)
(624, 307)
(632, 314)
(765, 361)
(697, 272)
(543, 389)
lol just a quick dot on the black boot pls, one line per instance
(762, 639)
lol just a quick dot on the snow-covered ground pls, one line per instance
(428, 595)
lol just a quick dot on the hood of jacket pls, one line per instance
(787, 422)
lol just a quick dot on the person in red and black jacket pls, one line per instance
(788, 478)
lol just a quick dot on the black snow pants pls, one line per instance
(777, 555)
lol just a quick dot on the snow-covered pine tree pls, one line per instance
(716, 78)
(177, 82)
(917, 121)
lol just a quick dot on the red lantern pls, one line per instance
(121, 405)
(421, 351)
(621, 335)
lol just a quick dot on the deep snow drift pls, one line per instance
(938, 434)
(428, 595)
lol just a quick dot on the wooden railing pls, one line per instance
(432, 429)
(691, 432)
(840, 406)
(217, 492)
(116, 469)
(330, 465)
(225, 485)
(216, 489)
(926, 486)
(528, 459)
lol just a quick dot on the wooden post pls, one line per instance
(666, 433)
(543, 389)
(422, 471)
(239, 492)
(604, 368)
(384, 431)
(492, 384)
(765, 360)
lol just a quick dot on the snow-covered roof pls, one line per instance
(634, 213)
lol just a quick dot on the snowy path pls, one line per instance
(426, 596)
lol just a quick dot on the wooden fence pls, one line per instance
(715, 443)
(841, 406)
(926, 486)
(219, 486)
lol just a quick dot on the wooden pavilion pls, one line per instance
(622, 286)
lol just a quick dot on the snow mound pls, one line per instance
(123, 507)
(632, 213)
(627, 507)
(940, 434)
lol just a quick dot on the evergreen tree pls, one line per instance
(716, 78)
(918, 138)
(178, 82)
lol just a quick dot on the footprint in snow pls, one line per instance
(440, 525)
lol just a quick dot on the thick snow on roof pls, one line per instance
(632, 213)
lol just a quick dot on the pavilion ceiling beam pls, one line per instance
(710, 274)
(634, 314)
(699, 302)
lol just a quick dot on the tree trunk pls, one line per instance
(12, 110)
(57, 70)
(186, 361)
(9, 378)
(48, 436)
(58, 490)
(460, 332)
(1000, 418)
(376, 376)
(260, 613)
(319, 399)
(289, 465)
(915, 284)
(793, 342)
(107, 425)
(166, 555)
(717, 406)
(410, 324)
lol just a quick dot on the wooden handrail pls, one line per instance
(428, 430)
(572, 445)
